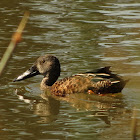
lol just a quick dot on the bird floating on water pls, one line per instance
(100, 81)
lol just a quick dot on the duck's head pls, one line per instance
(47, 65)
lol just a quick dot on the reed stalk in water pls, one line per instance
(134, 124)
(16, 38)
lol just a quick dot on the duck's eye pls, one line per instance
(43, 61)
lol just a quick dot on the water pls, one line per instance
(84, 35)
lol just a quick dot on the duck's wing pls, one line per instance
(117, 82)
(99, 81)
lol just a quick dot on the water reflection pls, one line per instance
(47, 109)
(101, 107)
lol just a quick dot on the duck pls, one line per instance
(99, 81)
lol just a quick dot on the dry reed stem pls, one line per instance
(134, 124)
(16, 38)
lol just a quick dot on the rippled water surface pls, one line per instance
(84, 35)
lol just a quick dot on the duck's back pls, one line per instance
(98, 81)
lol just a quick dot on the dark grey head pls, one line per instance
(47, 65)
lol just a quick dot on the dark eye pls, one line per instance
(43, 61)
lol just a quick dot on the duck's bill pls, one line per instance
(27, 74)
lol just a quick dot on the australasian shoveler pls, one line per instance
(100, 81)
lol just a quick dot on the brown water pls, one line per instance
(84, 35)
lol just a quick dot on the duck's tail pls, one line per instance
(117, 82)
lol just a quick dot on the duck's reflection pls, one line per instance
(101, 107)
(47, 109)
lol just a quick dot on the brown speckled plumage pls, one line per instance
(69, 85)
(99, 81)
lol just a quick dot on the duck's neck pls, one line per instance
(48, 81)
